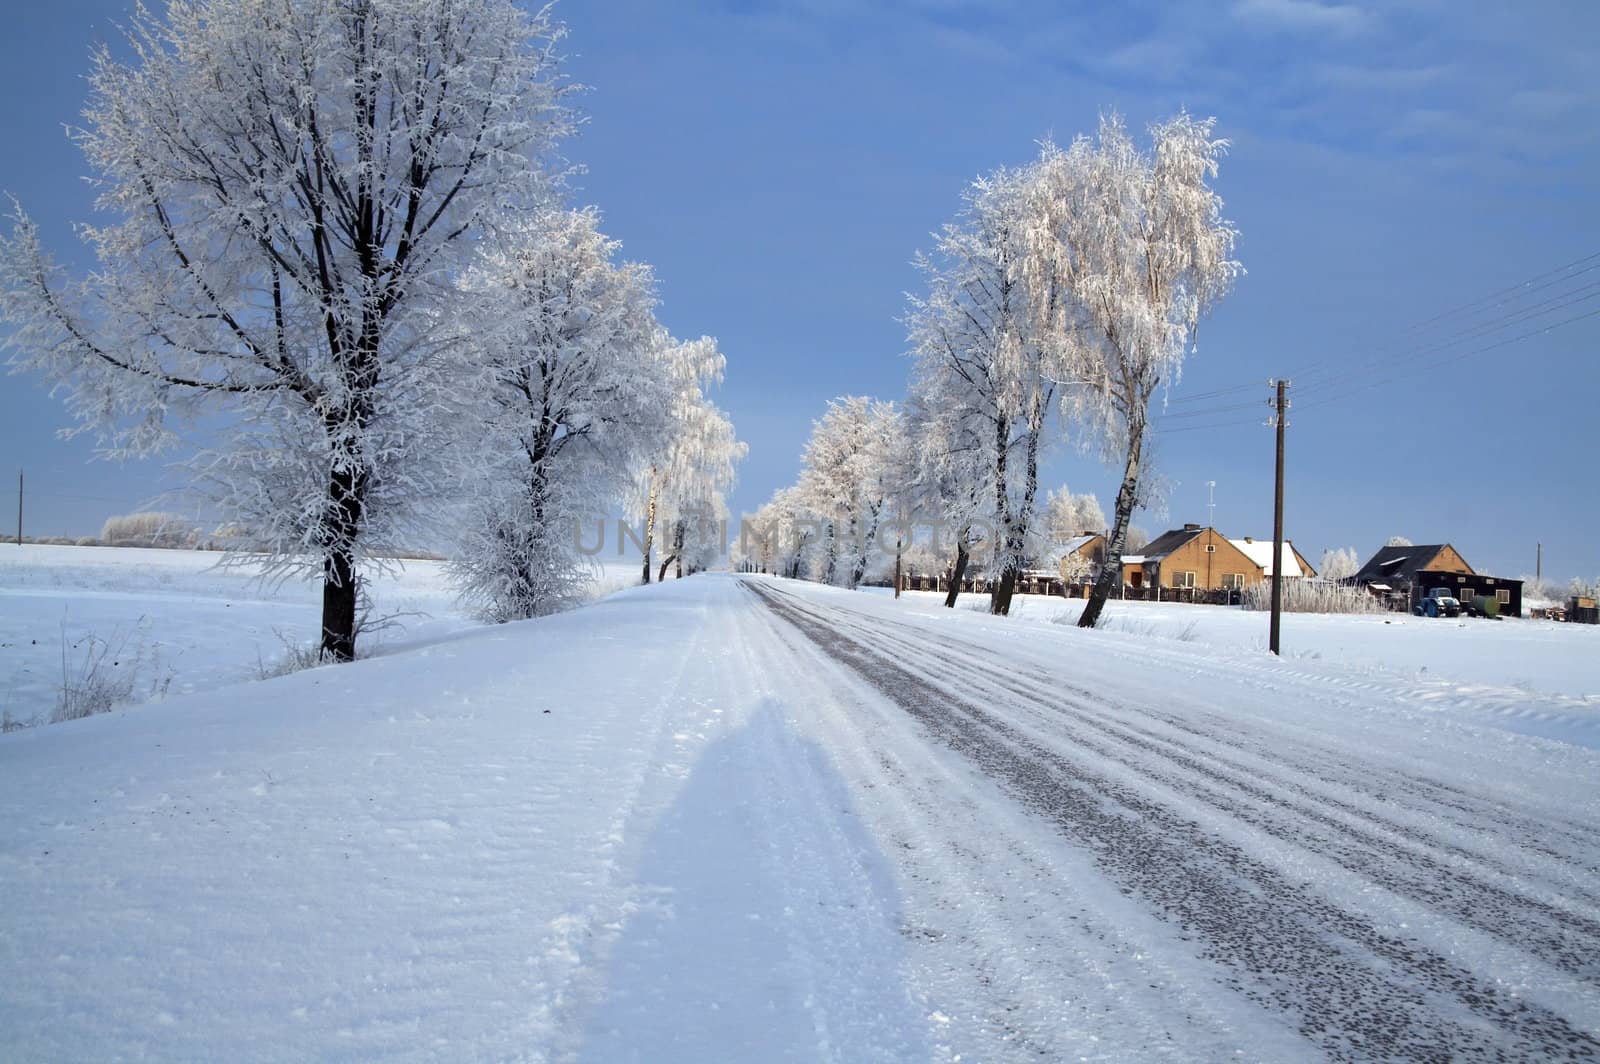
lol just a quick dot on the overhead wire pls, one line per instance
(1343, 381)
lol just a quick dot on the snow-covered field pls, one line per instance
(156, 623)
(1541, 677)
(748, 819)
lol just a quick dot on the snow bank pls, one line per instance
(1535, 677)
(171, 622)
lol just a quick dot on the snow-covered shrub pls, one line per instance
(9, 723)
(296, 657)
(108, 673)
(149, 528)
(1312, 596)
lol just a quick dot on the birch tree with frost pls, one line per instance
(979, 347)
(845, 481)
(1126, 251)
(293, 186)
(682, 484)
(950, 439)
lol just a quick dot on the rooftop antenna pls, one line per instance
(1211, 507)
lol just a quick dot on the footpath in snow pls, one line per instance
(749, 819)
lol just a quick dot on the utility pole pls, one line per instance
(1280, 406)
(1538, 563)
(19, 507)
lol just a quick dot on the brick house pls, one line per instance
(1189, 564)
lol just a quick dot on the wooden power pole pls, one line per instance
(1280, 405)
(19, 507)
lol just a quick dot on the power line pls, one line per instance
(1357, 389)
(1317, 378)
(1519, 287)
(1474, 332)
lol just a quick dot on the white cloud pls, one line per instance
(1302, 15)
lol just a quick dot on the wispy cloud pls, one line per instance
(1302, 15)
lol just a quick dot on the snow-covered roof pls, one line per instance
(1260, 553)
(1077, 543)
(1061, 550)
(1133, 559)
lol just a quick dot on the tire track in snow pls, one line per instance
(1569, 880)
(1011, 958)
(1355, 991)
(1393, 856)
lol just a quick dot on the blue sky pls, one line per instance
(779, 164)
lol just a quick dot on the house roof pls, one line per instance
(1058, 551)
(1260, 553)
(1168, 542)
(1398, 563)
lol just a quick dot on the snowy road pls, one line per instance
(1369, 908)
(749, 819)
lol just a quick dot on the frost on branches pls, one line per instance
(1339, 565)
(986, 377)
(574, 399)
(294, 186)
(682, 484)
(847, 477)
(1127, 251)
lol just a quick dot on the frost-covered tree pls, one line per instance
(1136, 539)
(1068, 515)
(845, 480)
(1127, 251)
(689, 473)
(1339, 564)
(706, 538)
(979, 347)
(949, 441)
(1398, 541)
(292, 186)
(573, 400)
(789, 533)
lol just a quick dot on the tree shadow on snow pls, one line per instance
(771, 925)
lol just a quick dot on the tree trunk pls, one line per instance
(1022, 520)
(897, 578)
(339, 606)
(662, 575)
(649, 526)
(831, 559)
(858, 572)
(1000, 599)
(1002, 503)
(957, 573)
(1127, 496)
(347, 491)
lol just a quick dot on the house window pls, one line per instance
(1211, 548)
(1503, 595)
(1468, 594)
(1233, 580)
(1183, 580)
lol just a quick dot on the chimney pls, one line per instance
(1191, 528)
(1247, 539)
